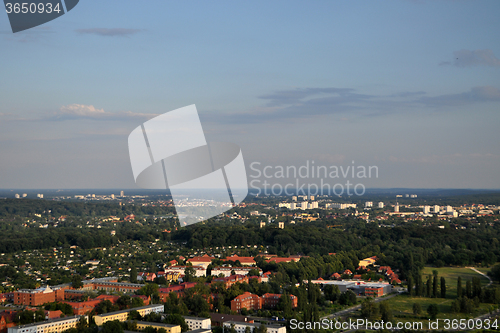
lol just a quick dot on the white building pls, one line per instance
(396, 208)
(226, 271)
(312, 205)
(340, 205)
(311, 197)
(436, 209)
(380, 204)
(195, 323)
(449, 209)
(240, 327)
(122, 194)
(369, 204)
(294, 198)
(303, 205)
(427, 209)
(199, 271)
(51, 326)
(17, 196)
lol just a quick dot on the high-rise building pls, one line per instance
(122, 194)
(369, 204)
(396, 208)
(427, 209)
(112, 196)
(380, 204)
(294, 198)
(303, 205)
(17, 196)
(24, 195)
(436, 209)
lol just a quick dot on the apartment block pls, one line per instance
(50, 326)
(141, 325)
(122, 315)
(195, 323)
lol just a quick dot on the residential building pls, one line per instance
(199, 271)
(122, 315)
(195, 323)
(226, 271)
(141, 325)
(203, 261)
(240, 327)
(50, 326)
(272, 300)
(246, 301)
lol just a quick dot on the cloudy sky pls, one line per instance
(412, 87)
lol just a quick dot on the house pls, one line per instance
(202, 261)
(245, 261)
(246, 301)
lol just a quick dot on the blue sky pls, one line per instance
(410, 86)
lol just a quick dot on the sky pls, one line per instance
(411, 87)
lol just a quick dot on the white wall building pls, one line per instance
(50, 326)
(240, 327)
(195, 323)
(380, 204)
(369, 204)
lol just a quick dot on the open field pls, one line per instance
(451, 275)
(402, 305)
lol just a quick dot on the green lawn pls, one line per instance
(451, 275)
(402, 305)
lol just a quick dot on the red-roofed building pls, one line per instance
(146, 276)
(179, 290)
(347, 272)
(7, 320)
(230, 280)
(53, 314)
(336, 276)
(357, 277)
(246, 301)
(245, 261)
(271, 300)
(203, 261)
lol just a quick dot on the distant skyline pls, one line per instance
(412, 87)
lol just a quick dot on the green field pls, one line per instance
(402, 305)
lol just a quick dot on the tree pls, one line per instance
(417, 308)
(112, 327)
(476, 287)
(468, 289)
(429, 286)
(369, 309)
(189, 274)
(133, 275)
(177, 319)
(443, 287)
(76, 281)
(433, 311)
(385, 311)
(434, 286)
(410, 285)
(459, 287)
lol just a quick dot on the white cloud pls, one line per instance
(81, 110)
(469, 58)
(76, 111)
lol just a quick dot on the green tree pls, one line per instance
(443, 287)
(433, 311)
(435, 286)
(112, 327)
(76, 281)
(133, 275)
(417, 308)
(410, 285)
(385, 311)
(459, 287)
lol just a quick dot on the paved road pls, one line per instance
(486, 276)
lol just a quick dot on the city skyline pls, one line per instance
(411, 87)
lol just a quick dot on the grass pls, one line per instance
(402, 305)
(451, 275)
